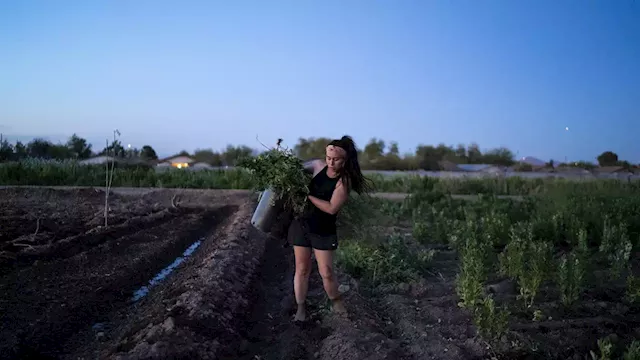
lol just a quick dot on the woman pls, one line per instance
(332, 181)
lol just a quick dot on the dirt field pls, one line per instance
(67, 288)
(67, 282)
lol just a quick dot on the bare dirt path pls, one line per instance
(269, 331)
(270, 334)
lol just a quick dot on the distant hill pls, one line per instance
(533, 161)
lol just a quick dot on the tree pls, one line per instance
(428, 157)
(500, 156)
(461, 153)
(114, 149)
(311, 148)
(59, 152)
(208, 156)
(20, 151)
(474, 155)
(374, 150)
(234, 153)
(550, 164)
(394, 149)
(39, 148)
(608, 158)
(78, 147)
(148, 153)
(6, 150)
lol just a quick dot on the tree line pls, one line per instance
(375, 155)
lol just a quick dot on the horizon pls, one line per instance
(498, 73)
(96, 149)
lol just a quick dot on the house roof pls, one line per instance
(475, 167)
(191, 159)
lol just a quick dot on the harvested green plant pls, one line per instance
(281, 171)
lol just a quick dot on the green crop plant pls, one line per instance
(473, 270)
(605, 347)
(537, 270)
(616, 248)
(430, 225)
(512, 259)
(387, 262)
(526, 261)
(633, 289)
(571, 273)
(495, 228)
(492, 322)
(633, 351)
(538, 315)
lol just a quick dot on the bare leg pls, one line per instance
(325, 266)
(301, 279)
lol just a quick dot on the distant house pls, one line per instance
(571, 170)
(612, 172)
(482, 168)
(178, 161)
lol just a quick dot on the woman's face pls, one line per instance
(335, 157)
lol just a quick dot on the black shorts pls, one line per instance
(300, 236)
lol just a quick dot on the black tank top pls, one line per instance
(320, 222)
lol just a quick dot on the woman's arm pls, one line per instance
(338, 199)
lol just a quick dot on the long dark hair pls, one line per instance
(351, 174)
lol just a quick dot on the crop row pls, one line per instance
(560, 254)
(72, 174)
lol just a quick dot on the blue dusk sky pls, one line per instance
(204, 74)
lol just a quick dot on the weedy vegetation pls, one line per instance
(572, 260)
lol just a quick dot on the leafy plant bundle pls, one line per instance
(281, 171)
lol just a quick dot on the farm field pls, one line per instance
(66, 280)
(429, 276)
(49, 173)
